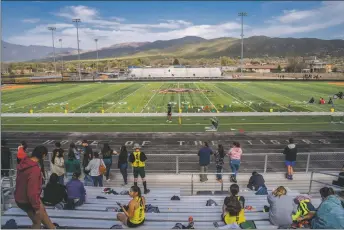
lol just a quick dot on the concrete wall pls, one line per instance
(339, 76)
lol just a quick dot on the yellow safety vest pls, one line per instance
(139, 213)
(137, 162)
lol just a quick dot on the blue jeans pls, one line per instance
(61, 179)
(97, 180)
(108, 163)
(88, 180)
(123, 168)
(235, 165)
(219, 171)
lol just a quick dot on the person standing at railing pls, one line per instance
(107, 153)
(290, 152)
(21, 154)
(204, 160)
(340, 181)
(138, 161)
(235, 157)
(29, 188)
(123, 164)
(219, 155)
(5, 159)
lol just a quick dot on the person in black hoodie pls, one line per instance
(256, 181)
(340, 181)
(5, 159)
(290, 152)
(123, 163)
(54, 193)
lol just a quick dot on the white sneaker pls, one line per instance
(107, 180)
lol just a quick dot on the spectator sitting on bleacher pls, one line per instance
(204, 160)
(227, 217)
(29, 187)
(57, 162)
(76, 190)
(72, 165)
(135, 215)
(340, 181)
(257, 183)
(93, 167)
(235, 156)
(54, 194)
(304, 213)
(281, 208)
(330, 214)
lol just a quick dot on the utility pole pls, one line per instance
(242, 15)
(77, 20)
(52, 37)
(60, 40)
(96, 40)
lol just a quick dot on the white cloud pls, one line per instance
(31, 20)
(115, 30)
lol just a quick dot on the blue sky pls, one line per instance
(121, 22)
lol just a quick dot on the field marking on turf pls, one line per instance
(83, 105)
(206, 97)
(265, 99)
(151, 97)
(18, 101)
(142, 85)
(236, 98)
(140, 124)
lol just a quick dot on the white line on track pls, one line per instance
(206, 97)
(236, 98)
(151, 97)
(143, 85)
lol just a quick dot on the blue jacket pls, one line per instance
(204, 156)
(330, 214)
(76, 190)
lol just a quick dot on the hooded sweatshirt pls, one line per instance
(290, 152)
(235, 153)
(28, 183)
(281, 209)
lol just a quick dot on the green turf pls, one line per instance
(144, 97)
(158, 124)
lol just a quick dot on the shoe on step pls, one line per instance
(146, 191)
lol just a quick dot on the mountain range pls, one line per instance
(193, 47)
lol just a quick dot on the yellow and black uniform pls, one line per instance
(228, 219)
(304, 207)
(137, 160)
(139, 214)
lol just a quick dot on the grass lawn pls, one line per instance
(140, 97)
(158, 124)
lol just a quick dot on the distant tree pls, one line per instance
(279, 69)
(176, 62)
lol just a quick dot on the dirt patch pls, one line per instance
(12, 87)
(337, 83)
(183, 90)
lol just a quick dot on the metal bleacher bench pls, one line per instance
(93, 213)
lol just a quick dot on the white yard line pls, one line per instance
(125, 97)
(151, 97)
(269, 101)
(236, 98)
(206, 97)
(178, 99)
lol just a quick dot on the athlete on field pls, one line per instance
(169, 112)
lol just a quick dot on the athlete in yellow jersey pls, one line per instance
(135, 215)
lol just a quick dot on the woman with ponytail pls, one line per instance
(134, 216)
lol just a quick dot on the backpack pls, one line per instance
(70, 205)
(151, 209)
(175, 198)
(102, 168)
(233, 206)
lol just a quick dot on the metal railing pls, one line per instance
(261, 162)
(324, 183)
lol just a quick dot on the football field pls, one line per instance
(153, 97)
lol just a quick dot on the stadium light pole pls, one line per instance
(60, 40)
(96, 41)
(242, 15)
(77, 20)
(52, 37)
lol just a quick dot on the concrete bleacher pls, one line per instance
(93, 213)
